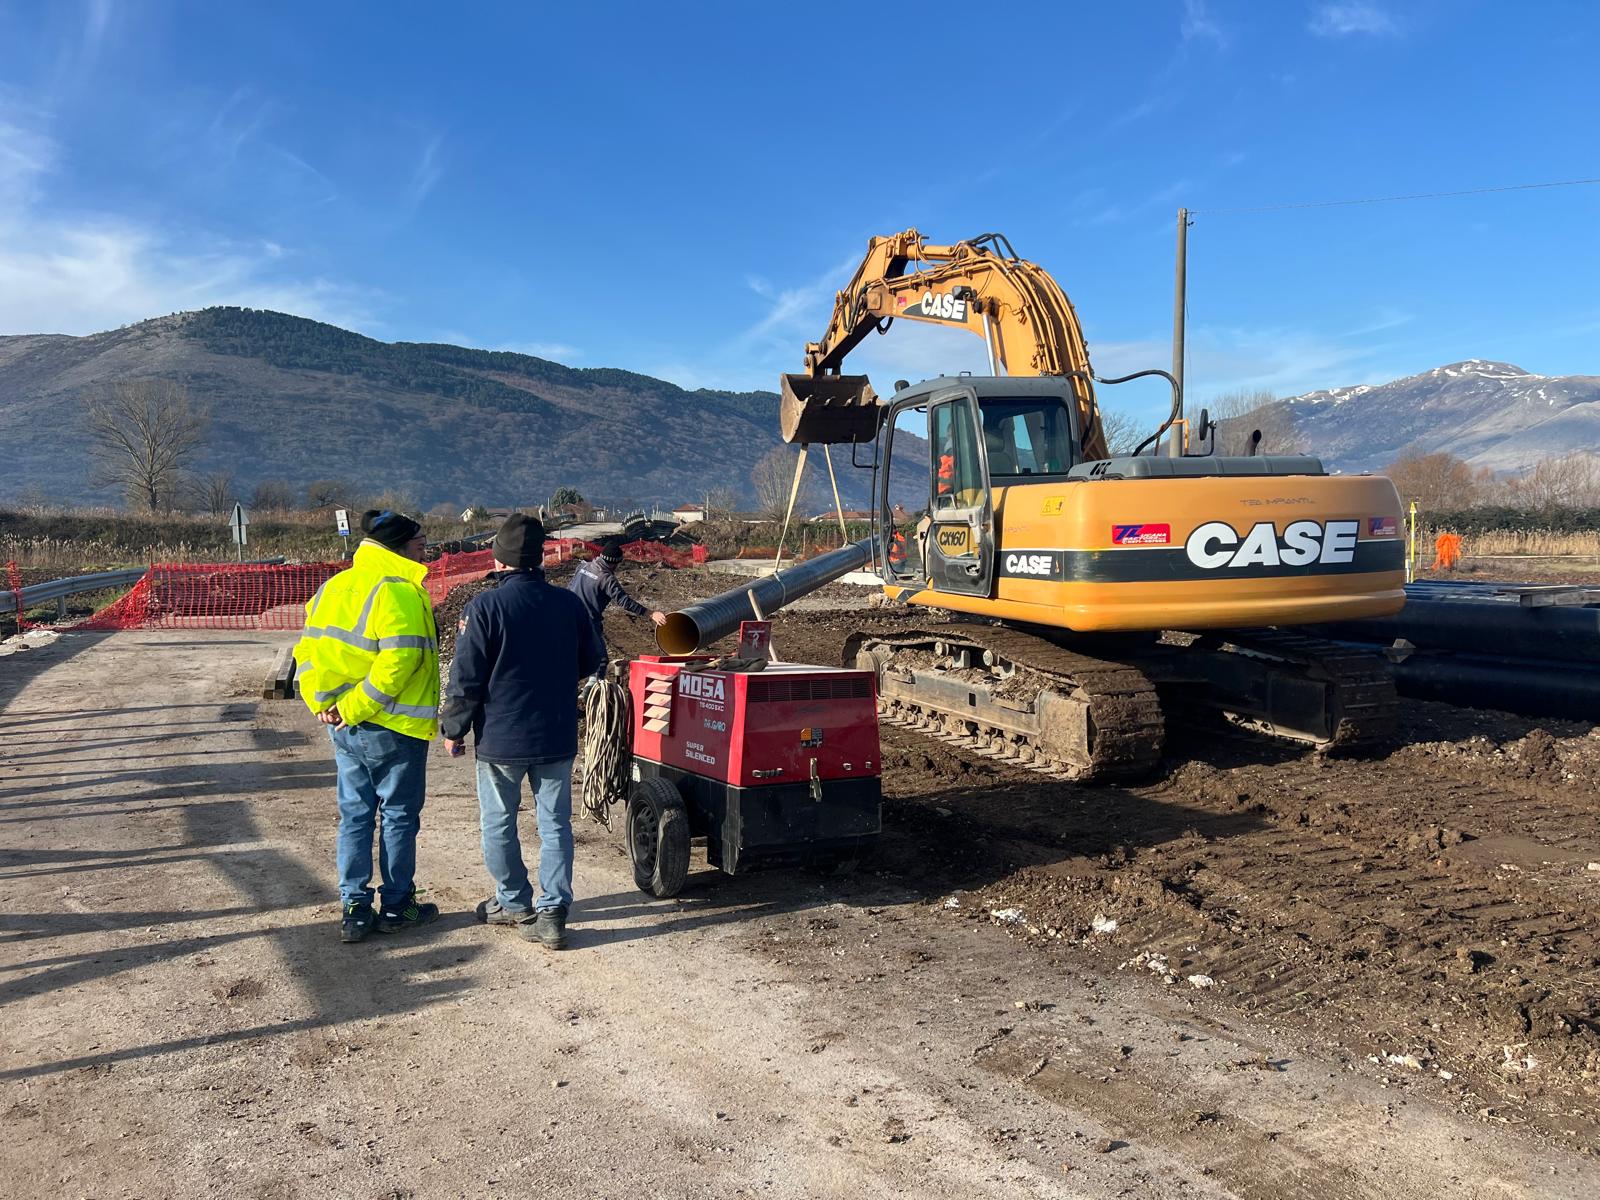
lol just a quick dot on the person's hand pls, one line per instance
(330, 716)
(454, 748)
(660, 618)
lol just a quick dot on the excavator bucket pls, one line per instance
(820, 409)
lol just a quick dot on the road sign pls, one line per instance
(239, 522)
(342, 519)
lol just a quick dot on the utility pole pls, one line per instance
(1179, 302)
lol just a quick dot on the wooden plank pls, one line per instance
(280, 684)
(1558, 593)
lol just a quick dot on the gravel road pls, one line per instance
(178, 1017)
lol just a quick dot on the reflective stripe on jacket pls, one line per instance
(370, 646)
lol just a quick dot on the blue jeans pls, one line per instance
(499, 798)
(380, 771)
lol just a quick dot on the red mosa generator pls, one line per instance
(771, 767)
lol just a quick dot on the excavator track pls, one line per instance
(1011, 696)
(1346, 697)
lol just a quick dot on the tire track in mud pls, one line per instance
(1347, 894)
(1430, 902)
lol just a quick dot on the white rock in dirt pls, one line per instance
(1515, 1062)
(1009, 916)
(1594, 866)
(1410, 1061)
(1202, 981)
(952, 901)
(1103, 924)
(34, 639)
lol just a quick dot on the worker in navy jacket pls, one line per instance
(597, 585)
(522, 648)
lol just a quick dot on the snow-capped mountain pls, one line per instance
(1491, 414)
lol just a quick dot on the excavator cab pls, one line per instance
(948, 444)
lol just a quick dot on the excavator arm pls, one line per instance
(980, 286)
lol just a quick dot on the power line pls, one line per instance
(1515, 187)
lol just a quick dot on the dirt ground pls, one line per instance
(1402, 956)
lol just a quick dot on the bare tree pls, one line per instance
(329, 493)
(144, 432)
(1123, 431)
(1438, 482)
(1240, 413)
(213, 492)
(272, 495)
(773, 478)
(395, 501)
(721, 501)
(1568, 481)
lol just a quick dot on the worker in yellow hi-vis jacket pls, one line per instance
(368, 667)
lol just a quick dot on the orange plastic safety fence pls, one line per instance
(217, 596)
(450, 570)
(14, 578)
(273, 596)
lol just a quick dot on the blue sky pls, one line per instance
(680, 189)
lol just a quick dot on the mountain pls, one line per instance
(1491, 414)
(298, 400)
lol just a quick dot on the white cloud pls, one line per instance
(555, 351)
(1199, 24)
(427, 173)
(79, 273)
(1357, 16)
(96, 21)
(914, 352)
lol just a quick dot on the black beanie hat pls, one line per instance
(611, 550)
(389, 528)
(520, 542)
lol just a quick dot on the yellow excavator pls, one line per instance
(1094, 592)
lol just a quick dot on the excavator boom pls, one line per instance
(980, 286)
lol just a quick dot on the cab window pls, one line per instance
(957, 473)
(1027, 436)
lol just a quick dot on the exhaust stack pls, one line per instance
(689, 629)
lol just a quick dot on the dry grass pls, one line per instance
(74, 541)
(1521, 542)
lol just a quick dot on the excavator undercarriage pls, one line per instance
(1018, 695)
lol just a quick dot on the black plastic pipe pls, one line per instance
(689, 629)
(1533, 687)
(1564, 633)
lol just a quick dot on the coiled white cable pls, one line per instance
(607, 748)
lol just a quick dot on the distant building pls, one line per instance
(850, 514)
(687, 514)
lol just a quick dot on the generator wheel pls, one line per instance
(658, 837)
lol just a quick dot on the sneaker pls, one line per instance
(490, 912)
(408, 914)
(357, 923)
(548, 928)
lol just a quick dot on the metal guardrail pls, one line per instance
(60, 589)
